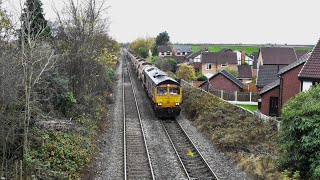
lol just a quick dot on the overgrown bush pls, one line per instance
(58, 155)
(299, 142)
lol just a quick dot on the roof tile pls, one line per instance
(311, 68)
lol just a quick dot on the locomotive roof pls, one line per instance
(158, 77)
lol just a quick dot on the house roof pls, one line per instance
(220, 57)
(300, 53)
(244, 71)
(228, 76)
(188, 54)
(164, 48)
(277, 55)
(270, 86)
(301, 60)
(179, 59)
(193, 55)
(267, 74)
(182, 48)
(311, 68)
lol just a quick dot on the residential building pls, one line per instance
(310, 72)
(277, 93)
(270, 61)
(179, 50)
(223, 81)
(245, 73)
(164, 50)
(211, 62)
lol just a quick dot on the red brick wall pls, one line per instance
(290, 84)
(220, 82)
(265, 100)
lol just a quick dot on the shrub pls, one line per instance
(58, 155)
(202, 78)
(186, 72)
(299, 142)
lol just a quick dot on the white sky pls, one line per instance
(209, 21)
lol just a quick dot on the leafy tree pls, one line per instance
(186, 72)
(142, 45)
(299, 142)
(162, 39)
(166, 64)
(143, 52)
(155, 51)
(33, 13)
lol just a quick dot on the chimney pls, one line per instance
(243, 57)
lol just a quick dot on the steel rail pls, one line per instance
(140, 121)
(192, 144)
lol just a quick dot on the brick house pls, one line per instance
(289, 81)
(212, 62)
(223, 81)
(310, 72)
(276, 94)
(270, 61)
(270, 99)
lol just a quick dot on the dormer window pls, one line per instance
(224, 65)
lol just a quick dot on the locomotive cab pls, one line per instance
(167, 100)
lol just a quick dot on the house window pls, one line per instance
(168, 53)
(178, 53)
(184, 53)
(162, 53)
(224, 65)
(209, 66)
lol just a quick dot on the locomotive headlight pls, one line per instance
(159, 104)
(177, 104)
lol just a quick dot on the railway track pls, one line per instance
(190, 158)
(137, 164)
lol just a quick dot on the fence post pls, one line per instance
(250, 96)
(221, 94)
(235, 96)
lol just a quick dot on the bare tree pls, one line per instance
(37, 57)
(84, 33)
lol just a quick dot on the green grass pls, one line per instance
(251, 108)
(249, 49)
(303, 48)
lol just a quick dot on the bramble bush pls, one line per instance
(58, 155)
(299, 142)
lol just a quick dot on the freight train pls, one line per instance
(165, 92)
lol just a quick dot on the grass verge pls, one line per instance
(251, 108)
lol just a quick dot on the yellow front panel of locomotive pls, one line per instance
(164, 97)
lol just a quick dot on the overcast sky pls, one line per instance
(209, 21)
